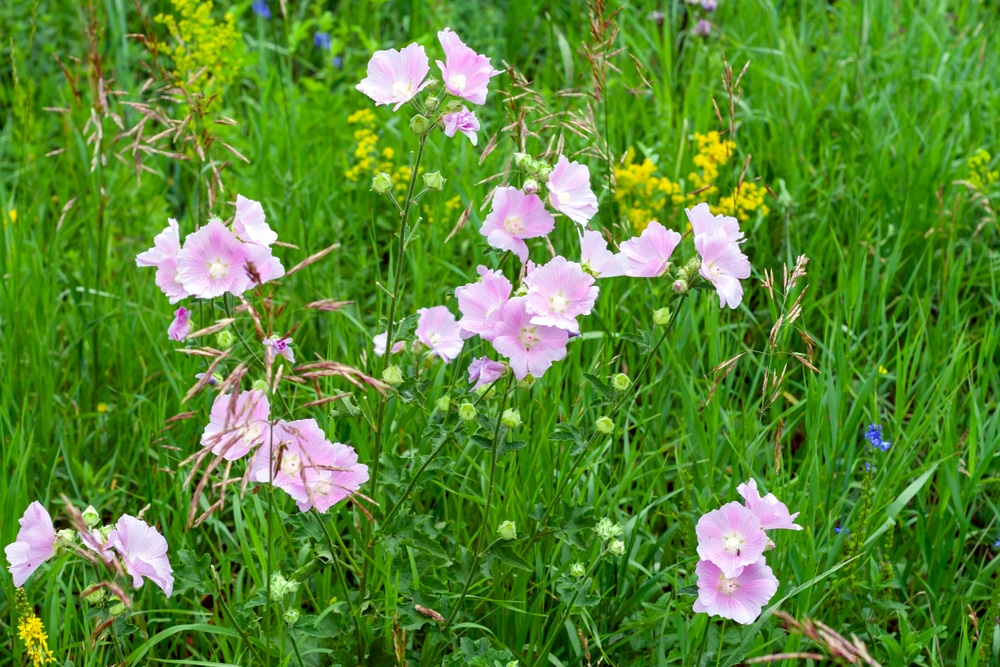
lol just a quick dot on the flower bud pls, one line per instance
(621, 382)
(419, 124)
(105, 532)
(661, 316)
(467, 411)
(616, 548)
(527, 383)
(522, 160)
(434, 181)
(225, 339)
(66, 537)
(606, 530)
(577, 570)
(513, 663)
(95, 597)
(444, 403)
(543, 170)
(487, 391)
(116, 609)
(507, 530)
(511, 418)
(432, 104)
(91, 517)
(259, 384)
(382, 183)
(530, 186)
(605, 425)
(290, 616)
(392, 375)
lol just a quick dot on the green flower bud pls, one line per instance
(432, 104)
(116, 609)
(530, 186)
(382, 183)
(66, 537)
(606, 530)
(621, 382)
(259, 385)
(225, 338)
(543, 171)
(291, 616)
(434, 181)
(522, 160)
(444, 403)
(91, 517)
(467, 411)
(487, 391)
(661, 316)
(605, 425)
(616, 548)
(528, 382)
(392, 375)
(577, 570)
(511, 418)
(95, 597)
(507, 530)
(419, 124)
(513, 663)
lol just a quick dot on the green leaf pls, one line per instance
(574, 592)
(191, 573)
(601, 386)
(345, 408)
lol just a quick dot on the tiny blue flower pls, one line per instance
(338, 62)
(874, 436)
(322, 40)
(261, 9)
(996, 545)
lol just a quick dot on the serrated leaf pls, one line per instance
(345, 408)
(508, 445)
(191, 573)
(574, 592)
(601, 386)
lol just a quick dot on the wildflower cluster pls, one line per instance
(980, 175)
(700, 11)
(31, 631)
(609, 532)
(203, 43)
(874, 437)
(369, 159)
(734, 580)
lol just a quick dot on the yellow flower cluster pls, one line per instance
(36, 644)
(369, 159)
(644, 196)
(203, 43)
(980, 175)
(452, 208)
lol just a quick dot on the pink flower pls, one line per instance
(394, 77)
(181, 326)
(213, 262)
(266, 267)
(438, 330)
(730, 537)
(236, 427)
(739, 598)
(558, 292)
(250, 225)
(143, 551)
(463, 121)
(484, 371)
(169, 280)
(276, 346)
(772, 513)
(380, 341)
(466, 74)
(531, 348)
(165, 246)
(481, 302)
(570, 193)
(596, 259)
(308, 467)
(514, 217)
(648, 255)
(703, 222)
(35, 543)
(97, 543)
(723, 265)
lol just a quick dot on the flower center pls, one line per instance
(512, 224)
(217, 269)
(434, 339)
(727, 586)
(714, 270)
(564, 198)
(558, 303)
(457, 82)
(402, 90)
(733, 543)
(527, 337)
(291, 464)
(249, 433)
(322, 487)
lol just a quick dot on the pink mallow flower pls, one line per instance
(730, 537)
(262, 266)
(276, 346)
(35, 543)
(559, 292)
(250, 224)
(739, 598)
(181, 326)
(213, 262)
(96, 542)
(484, 371)
(723, 265)
(648, 255)
(569, 191)
(438, 330)
(703, 222)
(163, 256)
(530, 348)
(308, 467)
(143, 552)
(596, 259)
(463, 121)
(771, 512)
(394, 77)
(380, 341)
(481, 302)
(237, 426)
(466, 74)
(514, 217)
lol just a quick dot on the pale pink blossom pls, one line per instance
(463, 121)
(648, 255)
(530, 348)
(466, 74)
(394, 77)
(438, 330)
(569, 191)
(723, 265)
(730, 537)
(213, 262)
(703, 222)
(165, 246)
(250, 224)
(484, 371)
(514, 217)
(143, 552)
(96, 542)
(237, 426)
(740, 597)
(35, 543)
(481, 302)
(558, 293)
(276, 346)
(771, 512)
(181, 326)
(265, 266)
(596, 259)
(380, 341)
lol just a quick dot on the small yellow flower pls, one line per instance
(12, 215)
(102, 407)
(882, 370)
(36, 646)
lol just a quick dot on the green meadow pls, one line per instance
(855, 141)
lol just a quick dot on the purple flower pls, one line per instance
(874, 436)
(703, 28)
(484, 371)
(463, 121)
(730, 537)
(181, 326)
(466, 73)
(394, 77)
(261, 9)
(709, 5)
(740, 596)
(438, 329)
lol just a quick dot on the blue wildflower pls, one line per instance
(322, 40)
(996, 545)
(874, 436)
(261, 9)
(838, 530)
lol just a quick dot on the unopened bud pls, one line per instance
(521, 160)
(661, 316)
(419, 124)
(444, 403)
(259, 384)
(530, 186)
(392, 375)
(507, 530)
(432, 104)
(290, 616)
(91, 517)
(527, 383)
(95, 597)
(382, 183)
(66, 537)
(511, 418)
(577, 570)
(680, 287)
(434, 181)
(616, 548)
(605, 425)
(467, 411)
(225, 338)
(116, 609)
(621, 382)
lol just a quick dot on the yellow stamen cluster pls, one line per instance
(369, 159)
(203, 44)
(980, 175)
(32, 632)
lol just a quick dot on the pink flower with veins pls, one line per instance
(380, 341)
(514, 217)
(394, 77)
(648, 255)
(168, 279)
(530, 348)
(739, 598)
(438, 330)
(730, 537)
(466, 74)
(236, 427)
(266, 267)
(97, 543)
(484, 371)
(723, 265)
(481, 302)
(559, 292)
(570, 193)
(143, 551)
(771, 512)
(165, 246)
(35, 543)
(463, 121)
(250, 225)
(181, 326)
(596, 259)
(213, 262)
(703, 222)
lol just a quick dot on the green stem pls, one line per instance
(232, 619)
(722, 636)
(413, 482)
(566, 612)
(359, 637)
